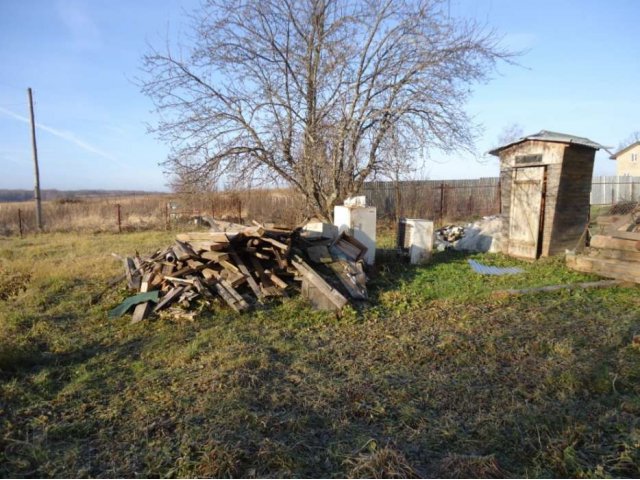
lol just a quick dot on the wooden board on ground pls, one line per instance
(603, 241)
(627, 271)
(624, 255)
(143, 309)
(335, 298)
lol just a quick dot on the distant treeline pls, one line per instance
(7, 195)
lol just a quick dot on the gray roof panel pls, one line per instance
(548, 136)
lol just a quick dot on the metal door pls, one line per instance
(526, 209)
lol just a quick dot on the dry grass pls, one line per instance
(470, 466)
(140, 212)
(434, 378)
(386, 462)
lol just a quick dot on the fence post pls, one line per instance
(20, 222)
(166, 215)
(119, 218)
(213, 211)
(239, 211)
(442, 203)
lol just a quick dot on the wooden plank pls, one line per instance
(230, 295)
(317, 281)
(170, 297)
(614, 254)
(215, 256)
(133, 278)
(202, 288)
(183, 251)
(226, 296)
(277, 280)
(179, 281)
(265, 280)
(633, 236)
(262, 256)
(183, 271)
(603, 241)
(256, 231)
(235, 279)
(209, 273)
(168, 269)
(282, 262)
(206, 246)
(229, 266)
(216, 237)
(243, 268)
(276, 243)
(627, 271)
(143, 309)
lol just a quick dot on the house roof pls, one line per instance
(547, 136)
(625, 149)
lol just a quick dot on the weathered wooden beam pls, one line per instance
(170, 297)
(276, 243)
(143, 309)
(243, 268)
(627, 271)
(216, 237)
(604, 241)
(183, 251)
(215, 256)
(179, 281)
(335, 297)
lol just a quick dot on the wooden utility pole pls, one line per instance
(35, 162)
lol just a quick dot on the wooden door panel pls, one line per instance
(526, 201)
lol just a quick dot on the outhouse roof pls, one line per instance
(548, 136)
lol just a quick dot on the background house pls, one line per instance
(628, 160)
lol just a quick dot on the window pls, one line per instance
(634, 157)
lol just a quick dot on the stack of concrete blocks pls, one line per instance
(359, 221)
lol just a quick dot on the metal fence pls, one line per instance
(437, 199)
(610, 190)
(462, 199)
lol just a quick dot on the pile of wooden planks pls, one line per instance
(614, 252)
(245, 265)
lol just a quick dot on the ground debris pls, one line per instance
(614, 251)
(243, 266)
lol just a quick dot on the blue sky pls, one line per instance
(580, 74)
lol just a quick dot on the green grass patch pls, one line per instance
(435, 378)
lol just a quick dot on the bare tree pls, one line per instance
(317, 93)
(510, 133)
(632, 138)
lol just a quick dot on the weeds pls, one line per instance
(448, 380)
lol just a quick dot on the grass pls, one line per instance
(435, 378)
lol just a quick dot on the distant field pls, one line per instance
(149, 212)
(435, 378)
